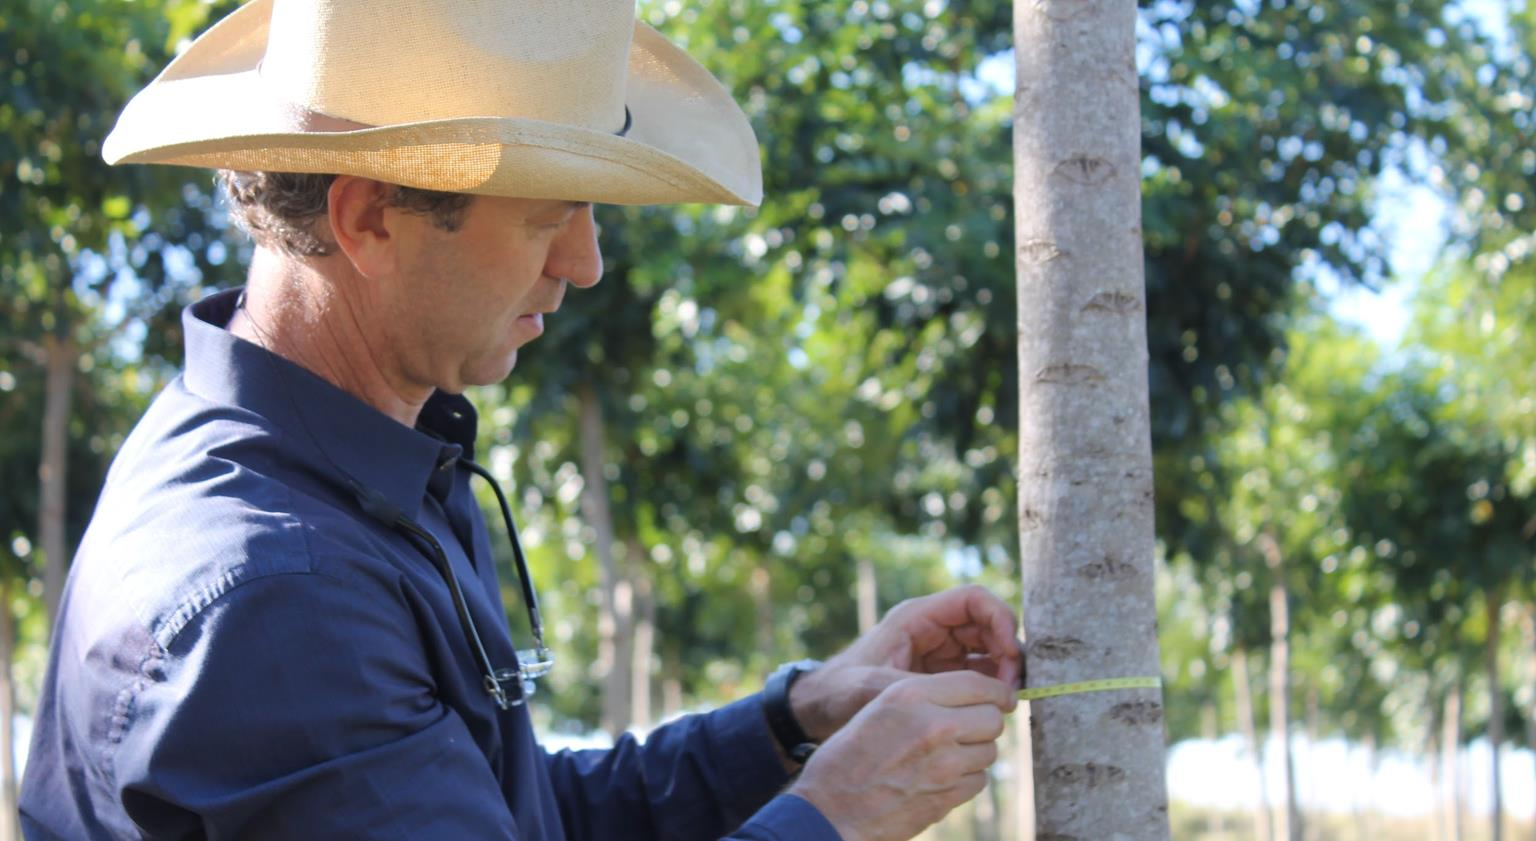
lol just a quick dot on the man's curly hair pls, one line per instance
(282, 209)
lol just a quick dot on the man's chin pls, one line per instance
(491, 373)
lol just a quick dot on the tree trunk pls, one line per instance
(1243, 689)
(616, 624)
(1450, 753)
(1529, 627)
(9, 830)
(984, 819)
(1288, 816)
(869, 596)
(1022, 806)
(645, 636)
(762, 603)
(62, 359)
(1434, 750)
(1313, 829)
(1210, 731)
(1495, 607)
(671, 686)
(1362, 805)
(1085, 464)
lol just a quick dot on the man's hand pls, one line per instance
(920, 749)
(966, 628)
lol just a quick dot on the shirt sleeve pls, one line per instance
(299, 706)
(787, 818)
(698, 778)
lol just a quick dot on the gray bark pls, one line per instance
(1495, 607)
(616, 624)
(52, 472)
(1243, 689)
(1085, 470)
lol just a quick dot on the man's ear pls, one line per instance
(360, 226)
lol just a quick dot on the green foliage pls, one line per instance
(89, 255)
(831, 377)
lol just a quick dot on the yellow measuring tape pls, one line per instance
(1105, 685)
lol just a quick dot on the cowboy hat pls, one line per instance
(555, 99)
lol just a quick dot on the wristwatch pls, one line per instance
(781, 718)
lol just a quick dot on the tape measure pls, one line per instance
(1105, 685)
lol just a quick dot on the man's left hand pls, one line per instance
(963, 628)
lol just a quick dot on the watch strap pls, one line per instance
(786, 729)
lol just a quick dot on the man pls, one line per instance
(283, 622)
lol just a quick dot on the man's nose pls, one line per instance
(574, 255)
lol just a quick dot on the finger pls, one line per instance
(972, 758)
(978, 724)
(1010, 666)
(996, 627)
(982, 663)
(950, 648)
(961, 689)
(970, 785)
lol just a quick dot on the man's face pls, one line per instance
(466, 300)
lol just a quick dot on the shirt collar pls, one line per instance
(326, 427)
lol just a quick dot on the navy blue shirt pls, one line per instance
(241, 652)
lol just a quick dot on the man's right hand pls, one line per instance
(918, 750)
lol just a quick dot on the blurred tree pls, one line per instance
(89, 256)
(1280, 514)
(1430, 498)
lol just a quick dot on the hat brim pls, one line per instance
(688, 142)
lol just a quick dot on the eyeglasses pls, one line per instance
(507, 687)
(532, 663)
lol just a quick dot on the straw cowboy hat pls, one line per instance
(562, 99)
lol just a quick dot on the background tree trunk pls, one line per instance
(1085, 471)
(1312, 830)
(644, 636)
(671, 686)
(1210, 731)
(616, 624)
(9, 829)
(869, 595)
(1434, 753)
(1450, 752)
(62, 357)
(1495, 609)
(1362, 804)
(1288, 816)
(762, 603)
(1528, 627)
(1242, 687)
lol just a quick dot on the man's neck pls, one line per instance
(296, 310)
